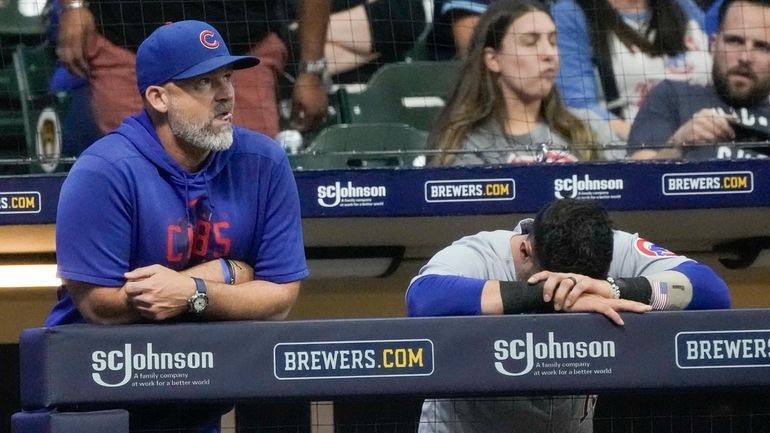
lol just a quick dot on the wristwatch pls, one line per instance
(198, 302)
(317, 67)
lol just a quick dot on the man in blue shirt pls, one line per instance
(177, 214)
(686, 121)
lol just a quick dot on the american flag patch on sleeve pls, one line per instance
(659, 295)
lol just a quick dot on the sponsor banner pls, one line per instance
(723, 349)
(494, 355)
(433, 191)
(20, 202)
(29, 199)
(553, 356)
(706, 183)
(147, 366)
(587, 186)
(350, 194)
(462, 190)
(353, 359)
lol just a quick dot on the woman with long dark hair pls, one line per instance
(615, 51)
(505, 107)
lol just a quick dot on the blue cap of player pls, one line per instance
(182, 50)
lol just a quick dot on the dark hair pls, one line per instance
(476, 96)
(573, 236)
(727, 3)
(668, 27)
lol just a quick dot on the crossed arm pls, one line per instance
(447, 295)
(444, 295)
(156, 293)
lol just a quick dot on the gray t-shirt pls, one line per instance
(488, 256)
(489, 144)
(671, 104)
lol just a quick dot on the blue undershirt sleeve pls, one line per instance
(709, 291)
(444, 295)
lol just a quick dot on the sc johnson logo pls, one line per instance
(469, 190)
(19, 202)
(350, 195)
(722, 182)
(117, 367)
(587, 188)
(353, 359)
(519, 357)
(723, 349)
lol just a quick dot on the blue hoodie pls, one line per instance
(126, 204)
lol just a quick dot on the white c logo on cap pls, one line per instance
(207, 39)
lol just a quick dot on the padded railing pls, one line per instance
(450, 356)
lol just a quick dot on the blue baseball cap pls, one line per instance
(183, 49)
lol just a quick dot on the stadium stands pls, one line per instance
(29, 119)
(363, 145)
(411, 93)
(21, 17)
(385, 127)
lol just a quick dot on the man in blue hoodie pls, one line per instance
(177, 214)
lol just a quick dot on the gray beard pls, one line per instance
(201, 135)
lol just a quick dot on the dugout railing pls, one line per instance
(724, 351)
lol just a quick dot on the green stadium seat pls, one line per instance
(363, 145)
(411, 93)
(420, 50)
(29, 123)
(21, 18)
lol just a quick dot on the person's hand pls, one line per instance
(590, 303)
(566, 288)
(309, 102)
(157, 292)
(75, 26)
(707, 126)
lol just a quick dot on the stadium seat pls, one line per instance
(411, 93)
(29, 124)
(21, 17)
(363, 145)
(420, 51)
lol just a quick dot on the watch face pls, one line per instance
(199, 303)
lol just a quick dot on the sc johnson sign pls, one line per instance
(145, 366)
(551, 356)
(586, 187)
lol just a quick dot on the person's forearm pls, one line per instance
(491, 300)
(313, 18)
(709, 290)
(102, 305)
(688, 286)
(213, 271)
(444, 295)
(251, 300)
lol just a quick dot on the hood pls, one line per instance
(193, 189)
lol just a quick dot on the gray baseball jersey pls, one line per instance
(487, 255)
